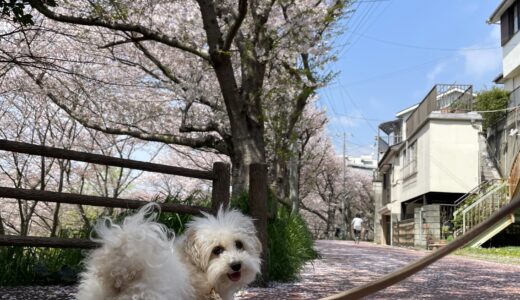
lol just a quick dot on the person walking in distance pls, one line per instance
(357, 226)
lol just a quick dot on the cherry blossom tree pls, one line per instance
(324, 184)
(31, 119)
(191, 73)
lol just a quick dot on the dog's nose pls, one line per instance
(236, 266)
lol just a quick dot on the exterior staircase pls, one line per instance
(478, 207)
(488, 170)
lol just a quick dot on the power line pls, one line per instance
(359, 118)
(355, 31)
(349, 97)
(399, 44)
(388, 74)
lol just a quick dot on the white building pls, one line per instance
(503, 137)
(430, 154)
(364, 164)
(507, 14)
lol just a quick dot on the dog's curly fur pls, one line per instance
(141, 259)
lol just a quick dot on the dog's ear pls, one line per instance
(255, 243)
(194, 249)
(251, 233)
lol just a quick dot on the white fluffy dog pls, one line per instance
(140, 259)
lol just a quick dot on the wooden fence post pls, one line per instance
(220, 191)
(258, 210)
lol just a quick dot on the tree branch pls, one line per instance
(314, 211)
(89, 21)
(242, 11)
(122, 42)
(208, 141)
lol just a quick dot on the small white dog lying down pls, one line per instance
(140, 259)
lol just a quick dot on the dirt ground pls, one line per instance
(345, 265)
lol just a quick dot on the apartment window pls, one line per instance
(515, 18)
(510, 22)
(410, 160)
(413, 157)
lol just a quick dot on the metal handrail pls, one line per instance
(493, 206)
(483, 185)
(484, 197)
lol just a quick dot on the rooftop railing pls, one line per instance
(445, 98)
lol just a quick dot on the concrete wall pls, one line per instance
(447, 158)
(511, 57)
(512, 83)
(396, 186)
(453, 162)
(427, 224)
(504, 147)
(419, 183)
(377, 188)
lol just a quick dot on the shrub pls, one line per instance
(290, 246)
(490, 100)
(34, 265)
(290, 242)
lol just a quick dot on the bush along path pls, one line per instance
(345, 265)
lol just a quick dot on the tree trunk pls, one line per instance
(2, 230)
(348, 216)
(294, 179)
(248, 148)
(330, 230)
(344, 218)
(56, 216)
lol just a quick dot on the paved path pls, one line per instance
(345, 265)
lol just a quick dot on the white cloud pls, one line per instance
(494, 35)
(353, 119)
(478, 63)
(439, 67)
(346, 121)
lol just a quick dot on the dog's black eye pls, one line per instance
(239, 245)
(218, 250)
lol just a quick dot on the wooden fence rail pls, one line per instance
(220, 177)
(102, 159)
(47, 196)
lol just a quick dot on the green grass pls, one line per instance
(508, 255)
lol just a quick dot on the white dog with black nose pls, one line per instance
(140, 259)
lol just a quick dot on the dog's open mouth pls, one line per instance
(235, 276)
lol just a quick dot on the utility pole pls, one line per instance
(344, 198)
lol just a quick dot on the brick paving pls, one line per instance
(345, 265)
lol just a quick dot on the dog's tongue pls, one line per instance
(235, 276)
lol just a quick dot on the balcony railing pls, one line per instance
(446, 98)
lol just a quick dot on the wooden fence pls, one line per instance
(404, 233)
(220, 177)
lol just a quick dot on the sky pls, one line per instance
(392, 52)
